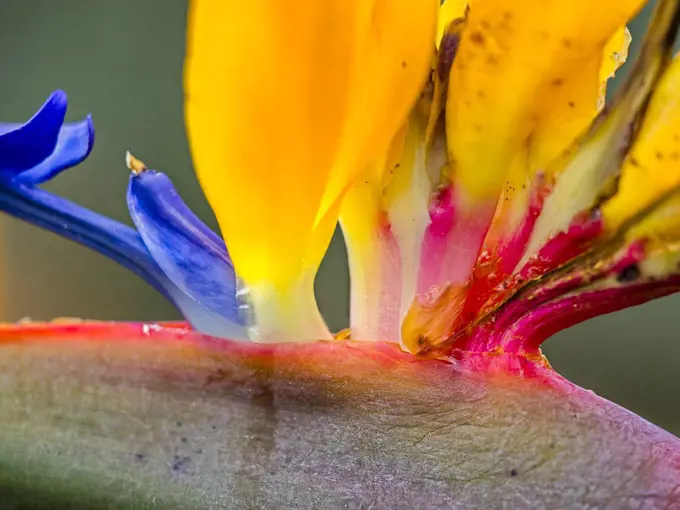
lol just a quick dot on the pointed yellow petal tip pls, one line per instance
(135, 165)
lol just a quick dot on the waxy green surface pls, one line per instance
(133, 416)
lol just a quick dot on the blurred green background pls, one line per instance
(122, 61)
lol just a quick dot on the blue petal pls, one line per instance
(74, 144)
(191, 255)
(24, 146)
(112, 239)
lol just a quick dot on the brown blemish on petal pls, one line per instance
(492, 60)
(476, 37)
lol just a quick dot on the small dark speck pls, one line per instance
(214, 427)
(199, 451)
(180, 463)
(572, 104)
(557, 82)
(477, 38)
(179, 423)
(403, 64)
(658, 155)
(513, 472)
(139, 456)
(634, 162)
(397, 165)
(628, 274)
(184, 440)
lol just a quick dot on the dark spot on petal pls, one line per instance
(658, 155)
(481, 94)
(566, 43)
(557, 82)
(634, 162)
(404, 65)
(492, 60)
(477, 38)
(507, 15)
(485, 24)
(572, 104)
(628, 274)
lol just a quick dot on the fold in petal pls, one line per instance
(24, 146)
(191, 255)
(652, 168)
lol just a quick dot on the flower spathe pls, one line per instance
(485, 205)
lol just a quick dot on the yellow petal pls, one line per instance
(517, 76)
(586, 174)
(652, 168)
(286, 102)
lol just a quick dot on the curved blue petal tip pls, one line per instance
(191, 255)
(24, 146)
(74, 144)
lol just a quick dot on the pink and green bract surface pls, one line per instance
(489, 197)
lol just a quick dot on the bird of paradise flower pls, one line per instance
(487, 195)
